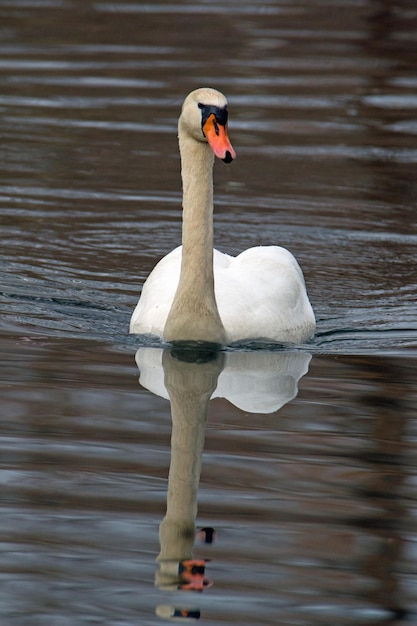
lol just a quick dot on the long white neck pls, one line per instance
(194, 314)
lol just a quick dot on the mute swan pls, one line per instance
(196, 293)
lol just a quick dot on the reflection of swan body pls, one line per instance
(259, 294)
(256, 382)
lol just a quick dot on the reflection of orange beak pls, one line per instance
(192, 573)
(216, 135)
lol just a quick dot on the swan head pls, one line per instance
(204, 117)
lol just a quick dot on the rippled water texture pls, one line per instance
(308, 453)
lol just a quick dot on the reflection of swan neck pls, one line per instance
(190, 387)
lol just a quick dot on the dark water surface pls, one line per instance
(313, 496)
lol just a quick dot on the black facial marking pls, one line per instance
(220, 113)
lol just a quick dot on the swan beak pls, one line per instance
(216, 135)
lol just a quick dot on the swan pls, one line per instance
(196, 293)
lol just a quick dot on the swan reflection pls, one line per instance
(257, 382)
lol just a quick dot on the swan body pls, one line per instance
(197, 293)
(260, 294)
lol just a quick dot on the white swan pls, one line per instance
(196, 293)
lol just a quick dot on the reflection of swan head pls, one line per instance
(174, 613)
(256, 382)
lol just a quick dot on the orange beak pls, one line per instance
(216, 135)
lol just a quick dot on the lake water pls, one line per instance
(307, 453)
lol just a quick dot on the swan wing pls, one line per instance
(261, 294)
(157, 295)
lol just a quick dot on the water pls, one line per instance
(308, 470)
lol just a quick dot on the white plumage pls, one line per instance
(260, 294)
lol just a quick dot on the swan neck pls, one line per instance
(197, 161)
(194, 314)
